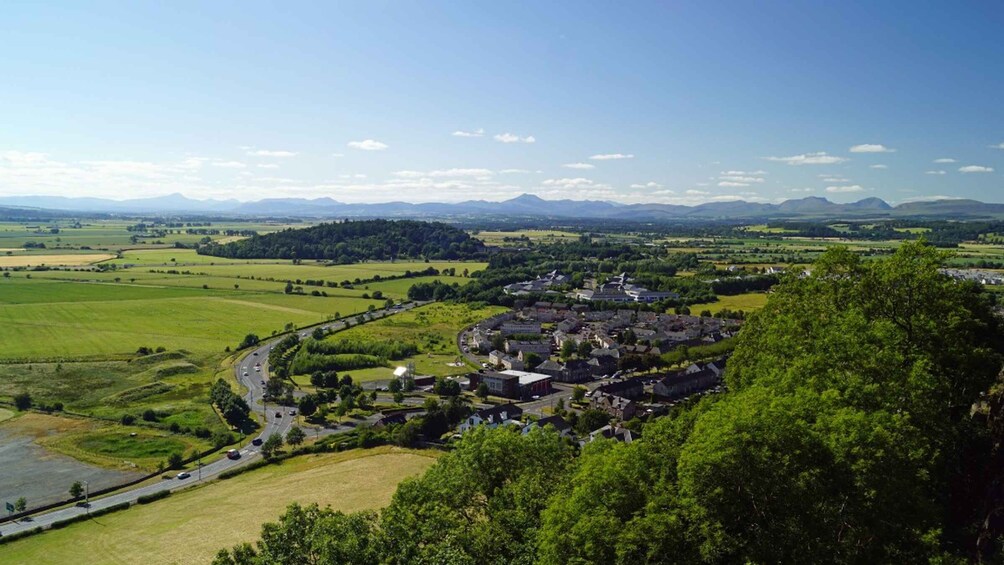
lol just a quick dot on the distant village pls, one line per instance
(549, 354)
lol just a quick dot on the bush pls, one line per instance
(148, 498)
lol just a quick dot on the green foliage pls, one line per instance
(295, 436)
(22, 401)
(352, 242)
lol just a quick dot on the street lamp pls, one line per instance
(87, 494)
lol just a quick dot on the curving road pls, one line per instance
(275, 418)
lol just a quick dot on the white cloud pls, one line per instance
(878, 167)
(850, 188)
(976, 169)
(368, 145)
(871, 148)
(828, 178)
(513, 138)
(267, 153)
(579, 166)
(695, 192)
(578, 182)
(801, 190)
(997, 146)
(818, 158)
(664, 191)
(650, 184)
(757, 173)
(268, 166)
(514, 172)
(944, 160)
(229, 164)
(444, 173)
(475, 133)
(611, 156)
(732, 184)
(741, 179)
(934, 172)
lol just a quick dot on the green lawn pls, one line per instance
(191, 526)
(432, 328)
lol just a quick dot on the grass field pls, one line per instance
(191, 526)
(37, 317)
(6, 414)
(745, 302)
(432, 328)
(67, 259)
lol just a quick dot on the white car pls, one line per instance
(183, 475)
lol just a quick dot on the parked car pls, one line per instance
(183, 475)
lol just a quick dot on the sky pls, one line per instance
(375, 101)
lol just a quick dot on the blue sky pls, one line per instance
(368, 101)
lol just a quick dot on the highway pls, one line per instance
(249, 452)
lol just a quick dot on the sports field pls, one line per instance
(746, 302)
(191, 526)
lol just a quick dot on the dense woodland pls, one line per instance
(864, 424)
(355, 241)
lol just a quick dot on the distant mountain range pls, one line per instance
(526, 205)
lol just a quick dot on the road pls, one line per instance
(272, 423)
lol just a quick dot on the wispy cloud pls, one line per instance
(578, 182)
(513, 138)
(880, 167)
(871, 148)
(514, 172)
(997, 146)
(611, 156)
(268, 166)
(229, 164)
(368, 145)
(850, 188)
(944, 160)
(579, 166)
(818, 158)
(934, 172)
(444, 173)
(474, 133)
(267, 153)
(976, 169)
(649, 184)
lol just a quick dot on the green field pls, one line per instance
(745, 302)
(432, 328)
(191, 526)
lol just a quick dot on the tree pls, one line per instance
(578, 393)
(250, 340)
(318, 333)
(482, 392)
(310, 534)
(295, 436)
(446, 387)
(591, 420)
(21, 504)
(584, 349)
(307, 405)
(22, 401)
(394, 385)
(76, 490)
(175, 460)
(568, 349)
(272, 445)
(398, 397)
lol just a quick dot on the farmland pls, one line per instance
(153, 533)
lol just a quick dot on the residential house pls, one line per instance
(559, 424)
(504, 414)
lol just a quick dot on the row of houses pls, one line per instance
(511, 415)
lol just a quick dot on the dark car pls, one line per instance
(278, 414)
(256, 441)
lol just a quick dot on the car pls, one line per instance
(278, 414)
(292, 412)
(233, 454)
(535, 397)
(245, 373)
(183, 475)
(257, 369)
(257, 441)
(255, 353)
(263, 383)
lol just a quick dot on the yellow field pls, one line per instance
(66, 260)
(745, 302)
(191, 526)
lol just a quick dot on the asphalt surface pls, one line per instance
(275, 418)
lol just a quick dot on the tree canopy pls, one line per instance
(351, 242)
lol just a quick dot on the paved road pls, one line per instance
(249, 452)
